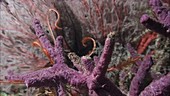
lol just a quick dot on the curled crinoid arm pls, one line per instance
(85, 39)
(12, 82)
(38, 44)
(56, 23)
(124, 64)
(47, 54)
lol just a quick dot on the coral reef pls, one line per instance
(60, 72)
(94, 48)
(95, 82)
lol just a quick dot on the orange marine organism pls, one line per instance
(38, 44)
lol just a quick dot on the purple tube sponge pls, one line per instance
(140, 75)
(94, 82)
(162, 26)
(59, 51)
(97, 79)
(43, 38)
(88, 64)
(102, 65)
(160, 87)
(154, 25)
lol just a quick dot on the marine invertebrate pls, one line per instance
(123, 64)
(38, 44)
(92, 79)
(85, 39)
(162, 25)
(159, 87)
(60, 72)
(145, 40)
(56, 22)
(139, 77)
(143, 67)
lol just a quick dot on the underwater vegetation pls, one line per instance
(86, 48)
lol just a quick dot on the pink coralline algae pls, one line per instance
(162, 25)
